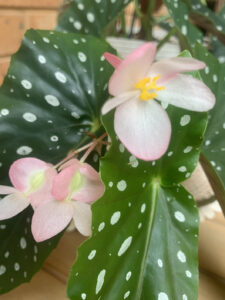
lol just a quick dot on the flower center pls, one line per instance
(148, 88)
(36, 181)
(76, 184)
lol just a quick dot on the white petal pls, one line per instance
(12, 205)
(82, 218)
(4, 190)
(169, 68)
(187, 92)
(116, 101)
(144, 128)
(50, 219)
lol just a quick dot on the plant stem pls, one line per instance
(132, 25)
(137, 9)
(92, 147)
(206, 201)
(151, 7)
(214, 180)
(166, 38)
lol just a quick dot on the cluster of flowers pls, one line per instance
(56, 198)
(141, 124)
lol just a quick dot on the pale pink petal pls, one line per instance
(144, 128)
(12, 205)
(43, 194)
(21, 170)
(69, 163)
(5, 190)
(90, 192)
(131, 70)
(51, 218)
(169, 68)
(114, 60)
(187, 92)
(114, 102)
(89, 172)
(82, 218)
(61, 183)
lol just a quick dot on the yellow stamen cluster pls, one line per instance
(148, 88)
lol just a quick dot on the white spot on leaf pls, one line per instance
(24, 150)
(42, 59)
(181, 256)
(125, 245)
(115, 217)
(121, 185)
(26, 84)
(100, 281)
(23, 243)
(90, 17)
(185, 120)
(2, 270)
(163, 296)
(29, 117)
(52, 100)
(179, 216)
(92, 254)
(60, 77)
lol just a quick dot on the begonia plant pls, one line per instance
(103, 142)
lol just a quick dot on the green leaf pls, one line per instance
(90, 16)
(207, 15)
(187, 32)
(53, 92)
(145, 227)
(214, 145)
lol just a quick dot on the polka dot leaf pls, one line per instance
(213, 148)
(145, 235)
(179, 12)
(184, 11)
(53, 92)
(90, 16)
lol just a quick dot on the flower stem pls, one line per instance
(92, 147)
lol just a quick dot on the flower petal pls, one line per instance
(50, 219)
(114, 60)
(61, 183)
(43, 194)
(131, 70)
(116, 101)
(144, 128)
(21, 170)
(82, 218)
(12, 205)
(4, 190)
(187, 92)
(93, 188)
(169, 68)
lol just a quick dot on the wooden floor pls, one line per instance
(50, 282)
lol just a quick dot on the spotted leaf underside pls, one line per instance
(90, 16)
(145, 227)
(53, 92)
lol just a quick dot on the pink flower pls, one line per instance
(31, 179)
(140, 122)
(74, 188)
